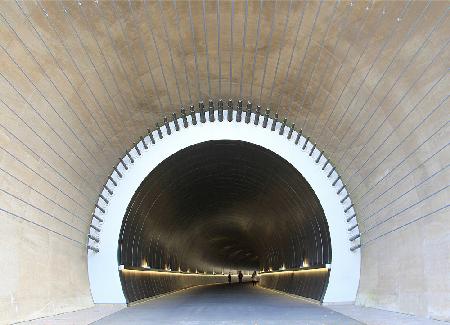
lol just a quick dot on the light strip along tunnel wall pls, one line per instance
(140, 284)
(366, 80)
(225, 204)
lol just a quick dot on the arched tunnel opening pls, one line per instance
(222, 206)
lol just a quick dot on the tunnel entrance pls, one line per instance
(221, 206)
(263, 206)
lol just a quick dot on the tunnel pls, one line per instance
(238, 207)
(150, 148)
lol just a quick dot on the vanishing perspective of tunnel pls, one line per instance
(147, 147)
(220, 206)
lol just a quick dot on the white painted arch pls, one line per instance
(103, 266)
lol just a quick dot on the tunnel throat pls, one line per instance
(221, 206)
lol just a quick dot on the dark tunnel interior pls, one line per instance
(223, 205)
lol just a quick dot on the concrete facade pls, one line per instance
(80, 81)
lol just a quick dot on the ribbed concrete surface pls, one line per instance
(238, 205)
(80, 81)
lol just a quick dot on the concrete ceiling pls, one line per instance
(81, 81)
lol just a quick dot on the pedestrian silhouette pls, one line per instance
(229, 278)
(254, 279)
(240, 276)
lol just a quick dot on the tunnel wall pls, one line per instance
(228, 213)
(310, 284)
(141, 284)
(371, 90)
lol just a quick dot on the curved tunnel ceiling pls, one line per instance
(367, 80)
(224, 204)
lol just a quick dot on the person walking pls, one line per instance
(254, 279)
(240, 276)
(229, 278)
